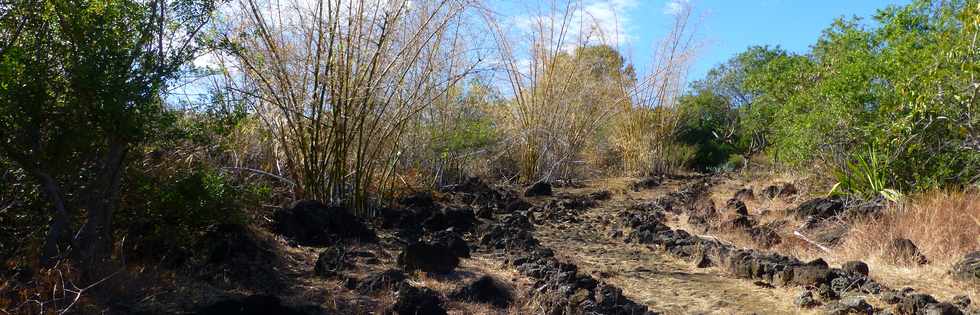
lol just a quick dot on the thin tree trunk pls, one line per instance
(51, 251)
(95, 238)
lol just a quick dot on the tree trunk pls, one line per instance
(51, 251)
(95, 238)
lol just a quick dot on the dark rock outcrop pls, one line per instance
(313, 223)
(428, 257)
(968, 269)
(782, 190)
(417, 301)
(332, 261)
(856, 266)
(460, 219)
(538, 189)
(452, 241)
(820, 208)
(487, 290)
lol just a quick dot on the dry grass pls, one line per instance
(944, 225)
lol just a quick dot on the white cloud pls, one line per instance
(673, 7)
(596, 21)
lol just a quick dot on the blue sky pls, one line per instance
(726, 27)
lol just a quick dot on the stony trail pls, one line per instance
(650, 276)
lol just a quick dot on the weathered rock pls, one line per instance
(460, 219)
(820, 208)
(331, 262)
(744, 194)
(428, 257)
(453, 241)
(961, 301)
(380, 281)
(914, 303)
(487, 290)
(850, 305)
(856, 266)
(905, 251)
(538, 189)
(814, 275)
(312, 223)
(942, 309)
(779, 190)
(968, 269)
(737, 207)
(805, 300)
(417, 301)
(517, 205)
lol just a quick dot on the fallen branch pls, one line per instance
(804, 238)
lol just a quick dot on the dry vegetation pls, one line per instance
(114, 180)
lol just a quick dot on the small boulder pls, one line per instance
(380, 281)
(961, 301)
(915, 303)
(814, 275)
(905, 251)
(517, 205)
(942, 309)
(850, 305)
(312, 223)
(487, 290)
(779, 190)
(737, 207)
(744, 194)
(820, 208)
(461, 219)
(968, 269)
(331, 262)
(451, 240)
(805, 300)
(538, 189)
(856, 266)
(428, 257)
(417, 301)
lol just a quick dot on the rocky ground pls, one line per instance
(620, 246)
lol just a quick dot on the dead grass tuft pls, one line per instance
(942, 224)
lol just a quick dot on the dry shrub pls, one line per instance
(645, 133)
(337, 83)
(944, 225)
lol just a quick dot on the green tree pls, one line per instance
(80, 89)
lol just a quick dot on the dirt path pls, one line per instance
(666, 284)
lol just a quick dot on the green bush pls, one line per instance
(170, 211)
(904, 85)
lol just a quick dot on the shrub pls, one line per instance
(170, 211)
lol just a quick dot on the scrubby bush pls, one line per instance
(905, 85)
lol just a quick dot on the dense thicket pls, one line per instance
(881, 106)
